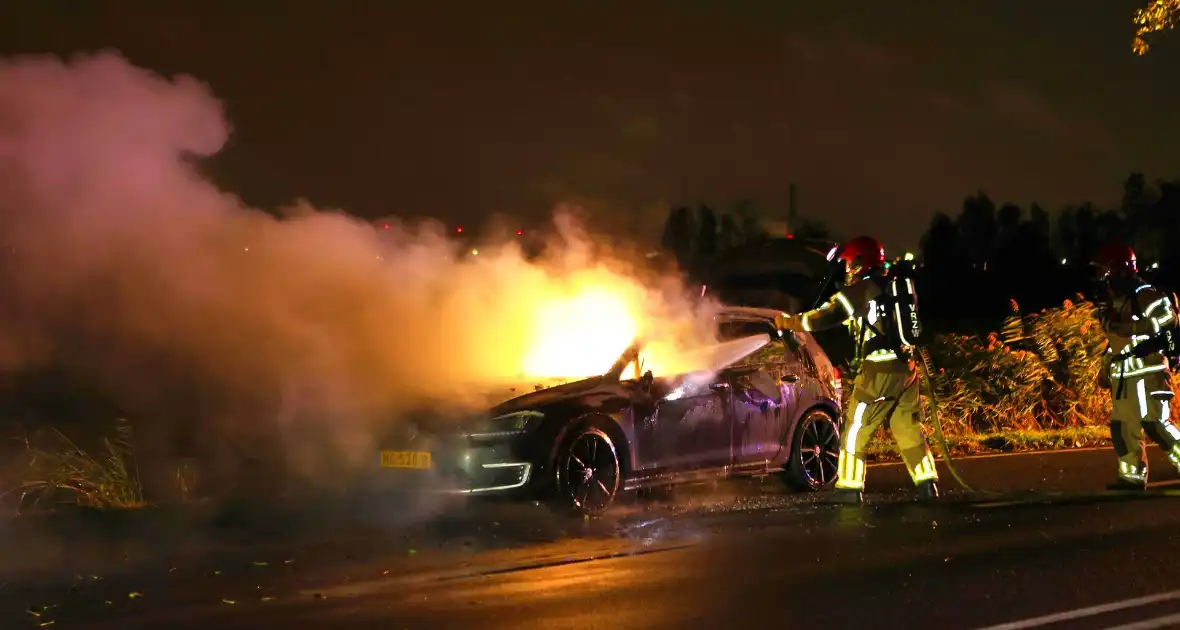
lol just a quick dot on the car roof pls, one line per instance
(747, 313)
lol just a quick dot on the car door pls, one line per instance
(764, 395)
(690, 428)
(682, 423)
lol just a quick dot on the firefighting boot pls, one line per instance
(928, 490)
(844, 496)
(1124, 485)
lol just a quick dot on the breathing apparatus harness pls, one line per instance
(897, 310)
(1165, 340)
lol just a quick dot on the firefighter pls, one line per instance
(887, 382)
(1139, 386)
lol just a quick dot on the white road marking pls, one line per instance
(1090, 611)
(1150, 624)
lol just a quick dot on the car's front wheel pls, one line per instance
(815, 452)
(587, 473)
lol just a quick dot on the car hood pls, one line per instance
(546, 396)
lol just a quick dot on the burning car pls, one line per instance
(767, 405)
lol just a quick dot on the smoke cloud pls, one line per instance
(207, 318)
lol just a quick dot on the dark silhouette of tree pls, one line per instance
(706, 246)
(705, 249)
(810, 228)
(749, 221)
(1009, 222)
(1111, 227)
(1011, 254)
(678, 235)
(942, 246)
(948, 267)
(978, 226)
(728, 234)
(1166, 211)
(1167, 220)
(1089, 239)
(1067, 233)
(976, 263)
(1138, 208)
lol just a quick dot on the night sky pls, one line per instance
(882, 113)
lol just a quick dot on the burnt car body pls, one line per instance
(771, 408)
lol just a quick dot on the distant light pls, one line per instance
(387, 226)
(475, 252)
(703, 288)
(1063, 261)
(909, 256)
(790, 236)
(246, 248)
(459, 229)
(519, 232)
(1154, 266)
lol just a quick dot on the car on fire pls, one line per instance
(771, 407)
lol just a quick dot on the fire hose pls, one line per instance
(926, 371)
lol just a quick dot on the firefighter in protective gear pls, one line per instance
(887, 383)
(1140, 389)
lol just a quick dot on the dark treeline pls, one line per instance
(695, 237)
(991, 252)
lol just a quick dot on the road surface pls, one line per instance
(742, 555)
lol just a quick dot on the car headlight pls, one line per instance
(508, 424)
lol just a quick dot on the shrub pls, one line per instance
(985, 386)
(1046, 380)
(1042, 381)
(59, 471)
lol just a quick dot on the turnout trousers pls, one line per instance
(876, 392)
(1142, 405)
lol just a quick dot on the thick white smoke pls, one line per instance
(196, 311)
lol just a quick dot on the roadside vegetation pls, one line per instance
(57, 471)
(1031, 386)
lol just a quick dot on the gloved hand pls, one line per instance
(784, 321)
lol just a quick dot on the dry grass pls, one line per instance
(1047, 381)
(1039, 391)
(882, 449)
(58, 472)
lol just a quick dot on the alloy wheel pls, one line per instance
(819, 449)
(590, 473)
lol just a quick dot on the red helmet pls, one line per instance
(1118, 258)
(863, 251)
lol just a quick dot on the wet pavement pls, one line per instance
(737, 554)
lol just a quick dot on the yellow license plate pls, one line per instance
(406, 459)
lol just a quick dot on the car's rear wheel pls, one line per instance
(587, 473)
(815, 452)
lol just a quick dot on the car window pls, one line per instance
(730, 330)
(757, 385)
(773, 352)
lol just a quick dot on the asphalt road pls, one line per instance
(740, 555)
